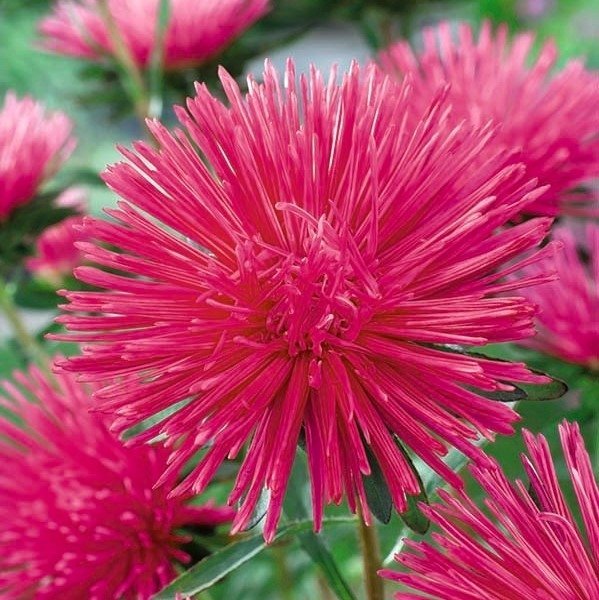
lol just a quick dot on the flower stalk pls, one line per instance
(28, 344)
(371, 556)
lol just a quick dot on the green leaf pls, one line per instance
(215, 567)
(36, 293)
(312, 543)
(377, 492)
(413, 517)
(259, 510)
(553, 390)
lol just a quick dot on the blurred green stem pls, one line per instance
(31, 348)
(371, 556)
(132, 77)
(279, 555)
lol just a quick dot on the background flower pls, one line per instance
(33, 145)
(532, 547)
(197, 29)
(551, 117)
(56, 254)
(568, 319)
(305, 282)
(80, 514)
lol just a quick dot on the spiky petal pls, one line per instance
(551, 117)
(302, 274)
(196, 30)
(33, 145)
(530, 547)
(80, 515)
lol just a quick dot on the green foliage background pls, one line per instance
(62, 84)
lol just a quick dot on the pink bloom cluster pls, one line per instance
(33, 145)
(531, 547)
(568, 319)
(81, 515)
(551, 118)
(294, 263)
(196, 30)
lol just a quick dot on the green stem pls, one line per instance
(132, 76)
(283, 573)
(31, 348)
(371, 556)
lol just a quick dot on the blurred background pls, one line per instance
(312, 31)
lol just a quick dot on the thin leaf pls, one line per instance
(215, 567)
(377, 492)
(313, 544)
(413, 517)
(553, 390)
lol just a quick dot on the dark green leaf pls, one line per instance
(553, 390)
(35, 293)
(215, 567)
(377, 492)
(413, 517)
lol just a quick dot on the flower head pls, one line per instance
(196, 30)
(33, 145)
(531, 547)
(299, 274)
(551, 118)
(568, 319)
(80, 515)
(56, 252)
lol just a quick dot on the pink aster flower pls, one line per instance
(33, 145)
(551, 117)
(531, 547)
(568, 319)
(196, 31)
(56, 253)
(295, 266)
(80, 514)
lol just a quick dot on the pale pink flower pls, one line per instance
(196, 30)
(530, 547)
(33, 145)
(551, 117)
(568, 319)
(294, 267)
(81, 515)
(56, 253)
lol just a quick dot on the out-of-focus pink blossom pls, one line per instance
(551, 118)
(74, 198)
(81, 515)
(295, 267)
(530, 547)
(33, 145)
(196, 30)
(56, 253)
(568, 319)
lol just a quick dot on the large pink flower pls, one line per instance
(197, 29)
(568, 319)
(80, 514)
(531, 547)
(551, 117)
(295, 266)
(33, 145)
